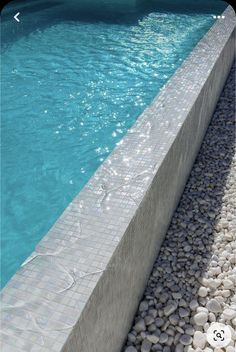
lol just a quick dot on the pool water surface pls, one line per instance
(70, 91)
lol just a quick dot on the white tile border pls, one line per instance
(79, 290)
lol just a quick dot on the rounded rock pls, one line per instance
(225, 293)
(202, 292)
(234, 322)
(177, 295)
(212, 317)
(131, 338)
(174, 319)
(193, 304)
(130, 349)
(153, 313)
(183, 312)
(149, 320)
(146, 346)
(189, 331)
(213, 306)
(228, 284)
(199, 339)
(143, 306)
(140, 326)
(153, 338)
(159, 322)
(170, 308)
(230, 349)
(163, 297)
(185, 340)
(214, 283)
(179, 348)
(163, 338)
(229, 314)
(166, 349)
(200, 318)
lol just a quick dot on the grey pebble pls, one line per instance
(130, 349)
(146, 346)
(185, 340)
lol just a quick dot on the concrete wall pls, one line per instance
(79, 290)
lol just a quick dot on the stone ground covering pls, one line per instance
(193, 282)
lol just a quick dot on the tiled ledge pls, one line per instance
(79, 290)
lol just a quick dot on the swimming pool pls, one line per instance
(72, 85)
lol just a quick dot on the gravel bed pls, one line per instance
(193, 282)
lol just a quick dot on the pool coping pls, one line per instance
(80, 289)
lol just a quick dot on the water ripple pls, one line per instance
(71, 91)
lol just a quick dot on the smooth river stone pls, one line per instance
(170, 308)
(185, 340)
(153, 338)
(202, 292)
(214, 283)
(159, 322)
(200, 318)
(189, 330)
(143, 306)
(213, 306)
(179, 348)
(149, 320)
(199, 339)
(131, 338)
(184, 312)
(140, 326)
(174, 319)
(163, 338)
(146, 346)
(193, 304)
(130, 349)
(230, 349)
(229, 314)
(228, 284)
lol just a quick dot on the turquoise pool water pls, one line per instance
(72, 84)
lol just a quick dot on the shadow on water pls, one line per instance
(36, 14)
(194, 223)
